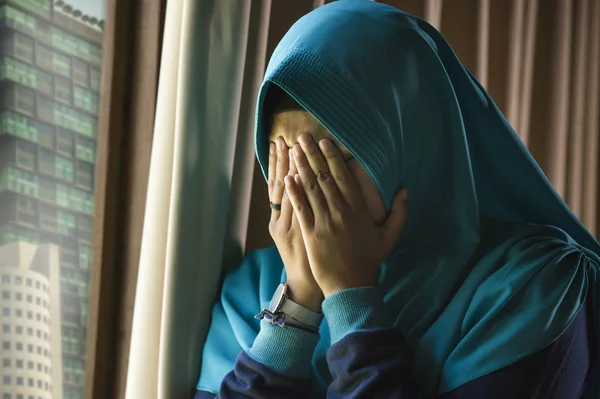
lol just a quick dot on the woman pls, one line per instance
(424, 251)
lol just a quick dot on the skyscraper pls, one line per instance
(50, 64)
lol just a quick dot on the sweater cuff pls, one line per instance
(355, 309)
(286, 350)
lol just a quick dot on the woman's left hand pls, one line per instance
(344, 245)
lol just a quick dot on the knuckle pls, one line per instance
(281, 158)
(312, 185)
(278, 183)
(324, 176)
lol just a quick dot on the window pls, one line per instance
(51, 69)
(26, 155)
(24, 99)
(85, 175)
(65, 142)
(46, 134)
(80, 72)
(5, 363)
(6, 380)
(95, 78)
(23, 47)
(63, 90)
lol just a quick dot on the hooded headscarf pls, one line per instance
(491, 265)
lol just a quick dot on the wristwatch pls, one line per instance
(281, 303)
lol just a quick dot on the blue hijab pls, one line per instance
(491, 265)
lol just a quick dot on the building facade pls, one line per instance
(50, 66)
(30, 355)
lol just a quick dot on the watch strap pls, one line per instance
(301, 314)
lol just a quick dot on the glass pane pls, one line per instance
(50, 73)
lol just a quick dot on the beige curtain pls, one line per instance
(207, 204)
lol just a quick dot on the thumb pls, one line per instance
(395, 221)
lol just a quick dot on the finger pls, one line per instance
(272, 168)
(287, 211)
(324, 177)
(293, 168)
(281, 170)
(300, 205)
(341, 174)
(311, 186)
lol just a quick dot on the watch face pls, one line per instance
(277, 299)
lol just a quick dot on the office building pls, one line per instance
(50, 63)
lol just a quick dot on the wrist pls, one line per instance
(309, 297)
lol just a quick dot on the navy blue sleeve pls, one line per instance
(250, 379)
(376, 364)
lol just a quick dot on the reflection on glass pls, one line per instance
(50, 68)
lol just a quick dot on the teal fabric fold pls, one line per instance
(491, 265)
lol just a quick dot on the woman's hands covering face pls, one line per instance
(285, 231)
(343, 244)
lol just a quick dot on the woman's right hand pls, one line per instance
(285, 231)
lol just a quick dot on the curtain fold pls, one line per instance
(207, 203)
(195, 154)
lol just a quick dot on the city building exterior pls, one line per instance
(30, 335)
(50, 62)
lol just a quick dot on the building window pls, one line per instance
(95, 78)
(65, 142)
(45, 109)
(20, 346)
(19, 364)
(30, 365)
(29, 298)
(5, 362)
(46, 135)
(86, 99)
(29, 282)
(29, 331)
(18, 280)
(23, 47)
(5, 295)
(31, 382)
(26, 155)
(19, 330)
(6, 396)
(5, 311)
(81, 72)
(6, 345)
(6, 380)
(19, 296)
(63, 90)
(25, 100)
(85, 175)
(5, 278)
(6, 328)
(18, 312)
(30, 348)
(19, 380)
(48, 190)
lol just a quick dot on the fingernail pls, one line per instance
(304, 139)
(272, 148)
(326, 144)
